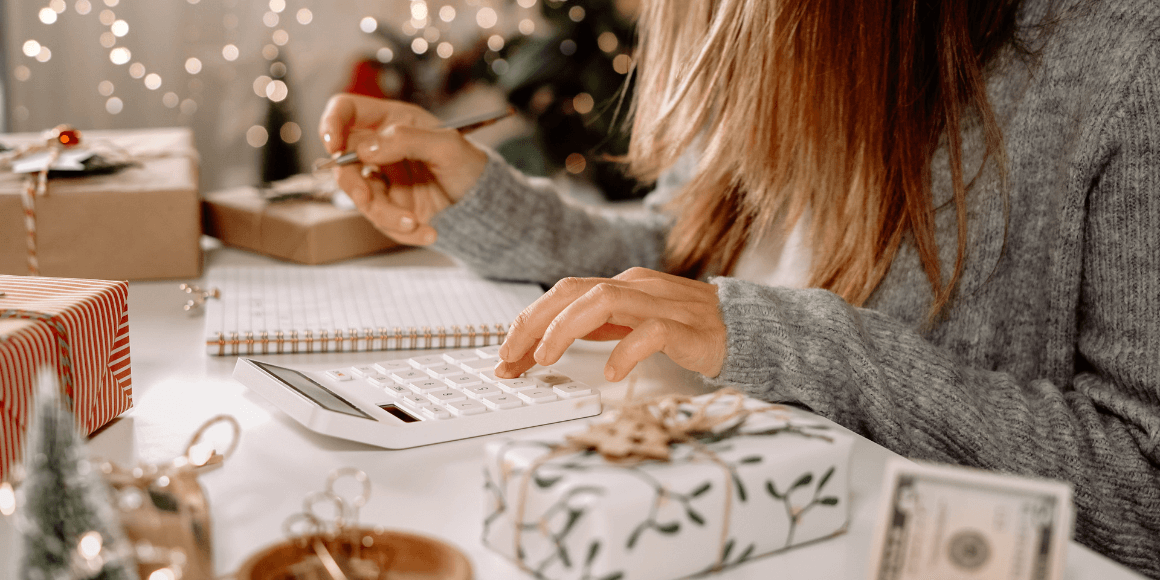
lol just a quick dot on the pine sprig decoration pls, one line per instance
(70, 531)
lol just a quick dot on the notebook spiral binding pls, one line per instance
(354, 339)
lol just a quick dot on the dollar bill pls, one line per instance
(952, 523)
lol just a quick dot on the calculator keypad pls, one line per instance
(462, 383)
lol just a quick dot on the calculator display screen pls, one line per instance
(314, 392)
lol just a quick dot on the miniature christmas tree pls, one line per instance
(70, 529)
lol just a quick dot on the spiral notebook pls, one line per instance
(314, 309)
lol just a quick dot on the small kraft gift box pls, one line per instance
(76, 328)
(297, 227)
(666, 489)
(133, 216)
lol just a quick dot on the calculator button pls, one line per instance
(504, 401)
(462, 380)
(480, 364)
(443, 370)
(339, 375)
(389, 366)
(458, 356)
(488, 351)
(365, 371)
(483, 391)
(427, 386)
(572, 390)
(379, 380)
(534, 396)
(446, 396)
(516, 385)
(550, 379)
(490, 376)
(397, 389)
(434, 412)
(430, 360)
(417, 401)
(410, 375)
(468, 407)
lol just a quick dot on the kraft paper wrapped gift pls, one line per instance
(77, 328)
(781, 472)
(142, 222)
(303, 231)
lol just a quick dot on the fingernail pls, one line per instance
(609, 373)
(541, 353)
(374, 147)
(407, 223)
(504, 351)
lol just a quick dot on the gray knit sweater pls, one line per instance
(1047, 361)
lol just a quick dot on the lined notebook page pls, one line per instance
(286, 309)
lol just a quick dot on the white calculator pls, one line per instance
(401, 403)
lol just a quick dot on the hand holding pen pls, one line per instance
(425, 165)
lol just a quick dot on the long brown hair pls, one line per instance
(832, 105)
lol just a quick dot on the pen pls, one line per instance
(463, 125)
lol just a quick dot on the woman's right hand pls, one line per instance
(422, 169)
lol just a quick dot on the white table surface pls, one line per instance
(434, 490)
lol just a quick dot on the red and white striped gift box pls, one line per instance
(80, 329)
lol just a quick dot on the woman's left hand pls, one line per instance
(646, 310)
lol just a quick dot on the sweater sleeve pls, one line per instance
(512, 227)
(1100, 430)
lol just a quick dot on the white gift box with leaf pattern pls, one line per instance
(776, 479)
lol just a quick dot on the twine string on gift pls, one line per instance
(63, 347)
(642, 431)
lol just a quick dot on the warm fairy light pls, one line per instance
(270, 51)
(305, 16)
(583, 103)
(280, 37)
(136, 70)
(607, 41)
(418, 10)
(622, 63)
(107, 17)
(57, 6)
(277, 5)
(527, 26)
(188, 107)
(163, 574)
(152, 81)
(230, 52)
(170, 99)
(278, 70)
(47, 15)
(112, 3)
(526, 3)
(119, 28)
(420, 23)
(260, 85)
(419, 45)
(192, 65)
(90, 545)
(409, 29)
(108, 39)
(256, 136)
(7, 499)
(575, 163)
(44, 55)
(444, 50)
(163, 481)
(83, 7)
(495, 42)
(368, 24)
(486, 17)
(499, 66)
(568, 47)
(114, 105)
(431, 35)
(447, 13)
(105, 88)
(31, 48)
(277, 91)
(270, 19)
(290, 132)
(385, 55)
(576, 13)
(22, 73)
(120, 55)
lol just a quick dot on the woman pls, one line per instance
(978, 187)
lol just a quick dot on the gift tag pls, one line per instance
(67, 160)
(956, 523)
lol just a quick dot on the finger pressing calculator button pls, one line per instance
(504, 401)
(421, 362)
(427, 386)
(339, 375)
(434, 412)
(417, 401)
(446, 396)
(572, 390)
(517, 385)
(410, 375)
(490, 376)
(390, 366)
(462, 380)
(468, 407)
(535, 396)
(482, 391)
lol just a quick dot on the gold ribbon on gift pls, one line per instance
(164, 510)
(646, 430)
